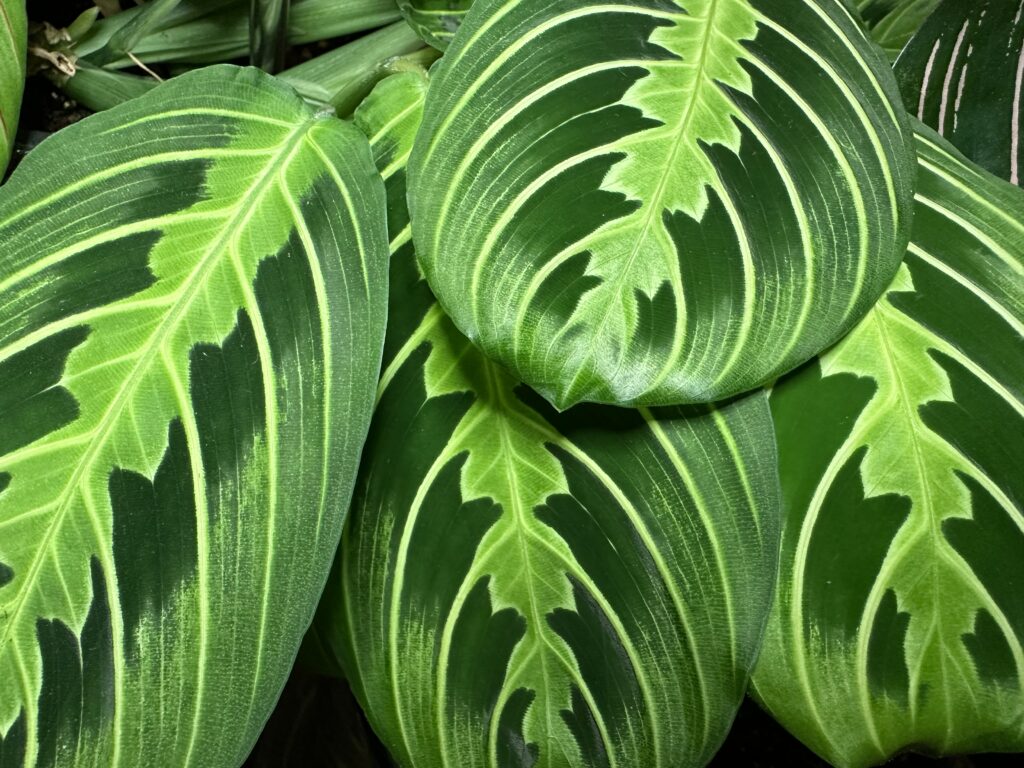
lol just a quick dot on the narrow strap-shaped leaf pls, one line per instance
(523, 587)
(145, 20)
(193, 301)
(268, 33)
(899, 618)
(435, 21)
(659, 201)
(893, 22)
(963, 75)
(13, 30)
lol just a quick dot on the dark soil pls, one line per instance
(755, 741)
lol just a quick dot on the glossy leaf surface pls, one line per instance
(13, 30)
(523, 587)
(615, 200)
(436, 21)
(963, 75)
(893, 22)
(899, 621)
(193, 308)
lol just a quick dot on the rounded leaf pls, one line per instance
(13, 39)
(519, 586)
(194, 295)
(899, 615)
(659, 201)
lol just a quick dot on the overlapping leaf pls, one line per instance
(963, 75)
(659, 201)
(436, 21)
(13, 29)
(193, 301)
(523, 587)
(893, 22)
(899, 620)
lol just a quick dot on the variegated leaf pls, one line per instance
(899, 619)
(13, 30)
(893, 22)
(193, 302)
(435, 20)
(963, 75)
(659, 201)
(523, 587)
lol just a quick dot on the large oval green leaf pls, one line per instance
(899, 620)
(13, 31)
(963, 75)
(435, 21)
(193, 306)
(519, 586)
(656, 202)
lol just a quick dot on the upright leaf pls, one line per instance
(659, 201)
(899, 619)
(13, 31)
(436, 21)
(193, 306)
(523, 587)
(963, 75)
(893, 22)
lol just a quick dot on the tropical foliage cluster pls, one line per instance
(555, 372)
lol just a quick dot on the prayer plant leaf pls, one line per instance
(13, 31)
(893, 22)
(436, 21)
(659, 201)
(194, 296)
(899, 618)
(963, 75)
(519, 586)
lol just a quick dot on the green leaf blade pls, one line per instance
(963, 74)
(195, 283)
(893, 22)
(617, 217)
(898, 622)
(436, 21)
(13, 42)
(517, 584)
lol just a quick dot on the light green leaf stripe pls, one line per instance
(13, 32)
(963, 75)
(612, 200)
(893, 22)
(523, 587)
(192, 308)
(899, 618)
(435, 21)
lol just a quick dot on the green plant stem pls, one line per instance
(344, 76)
(98, 89)
(268, 33)
(208, 31)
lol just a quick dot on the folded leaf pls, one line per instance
(193, 306)
(963, 75)
(659, 201)
(523, 587)
(13, 30)
(893, 22)
(899, 618)
(435, 20)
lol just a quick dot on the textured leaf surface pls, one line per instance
(893, 22)
(436, 21)
(522, 587)
(963, 75)
(193, 306)
(614, 200)
(899, 620)
(13, 30)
